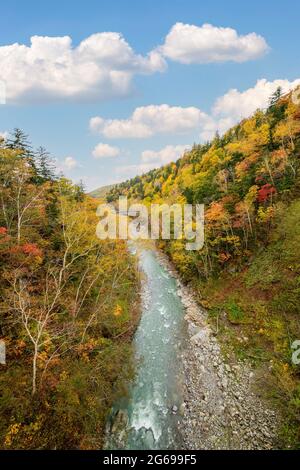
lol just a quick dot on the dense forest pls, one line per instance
(248, 273)
(69, 303)
(68, 307)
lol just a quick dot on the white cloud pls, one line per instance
(240, 104)
(2, 92)
(151, 159)
(67, 164)
(70, 163)
(226, 112)
(168, 154)
(4, 134)
(96, 124)
(236, 105)
(105, 151)
(215, 124)
(147, 121)
(189, 44)
(100, 67)
(103, 65)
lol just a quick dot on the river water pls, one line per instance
(149, 417)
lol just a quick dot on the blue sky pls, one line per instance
(188, 83)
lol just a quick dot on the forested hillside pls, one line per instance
(248, 273)
(68, 307)
(101, 193)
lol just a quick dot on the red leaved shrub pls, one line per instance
(266, 192)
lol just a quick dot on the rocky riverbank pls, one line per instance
(222, 407)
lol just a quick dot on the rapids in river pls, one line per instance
(149, 417)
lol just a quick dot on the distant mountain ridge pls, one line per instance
(100, 193)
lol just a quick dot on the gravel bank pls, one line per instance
(221, 410)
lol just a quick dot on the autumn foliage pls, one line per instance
(67, 302)
(241, 178)
(247, 275)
